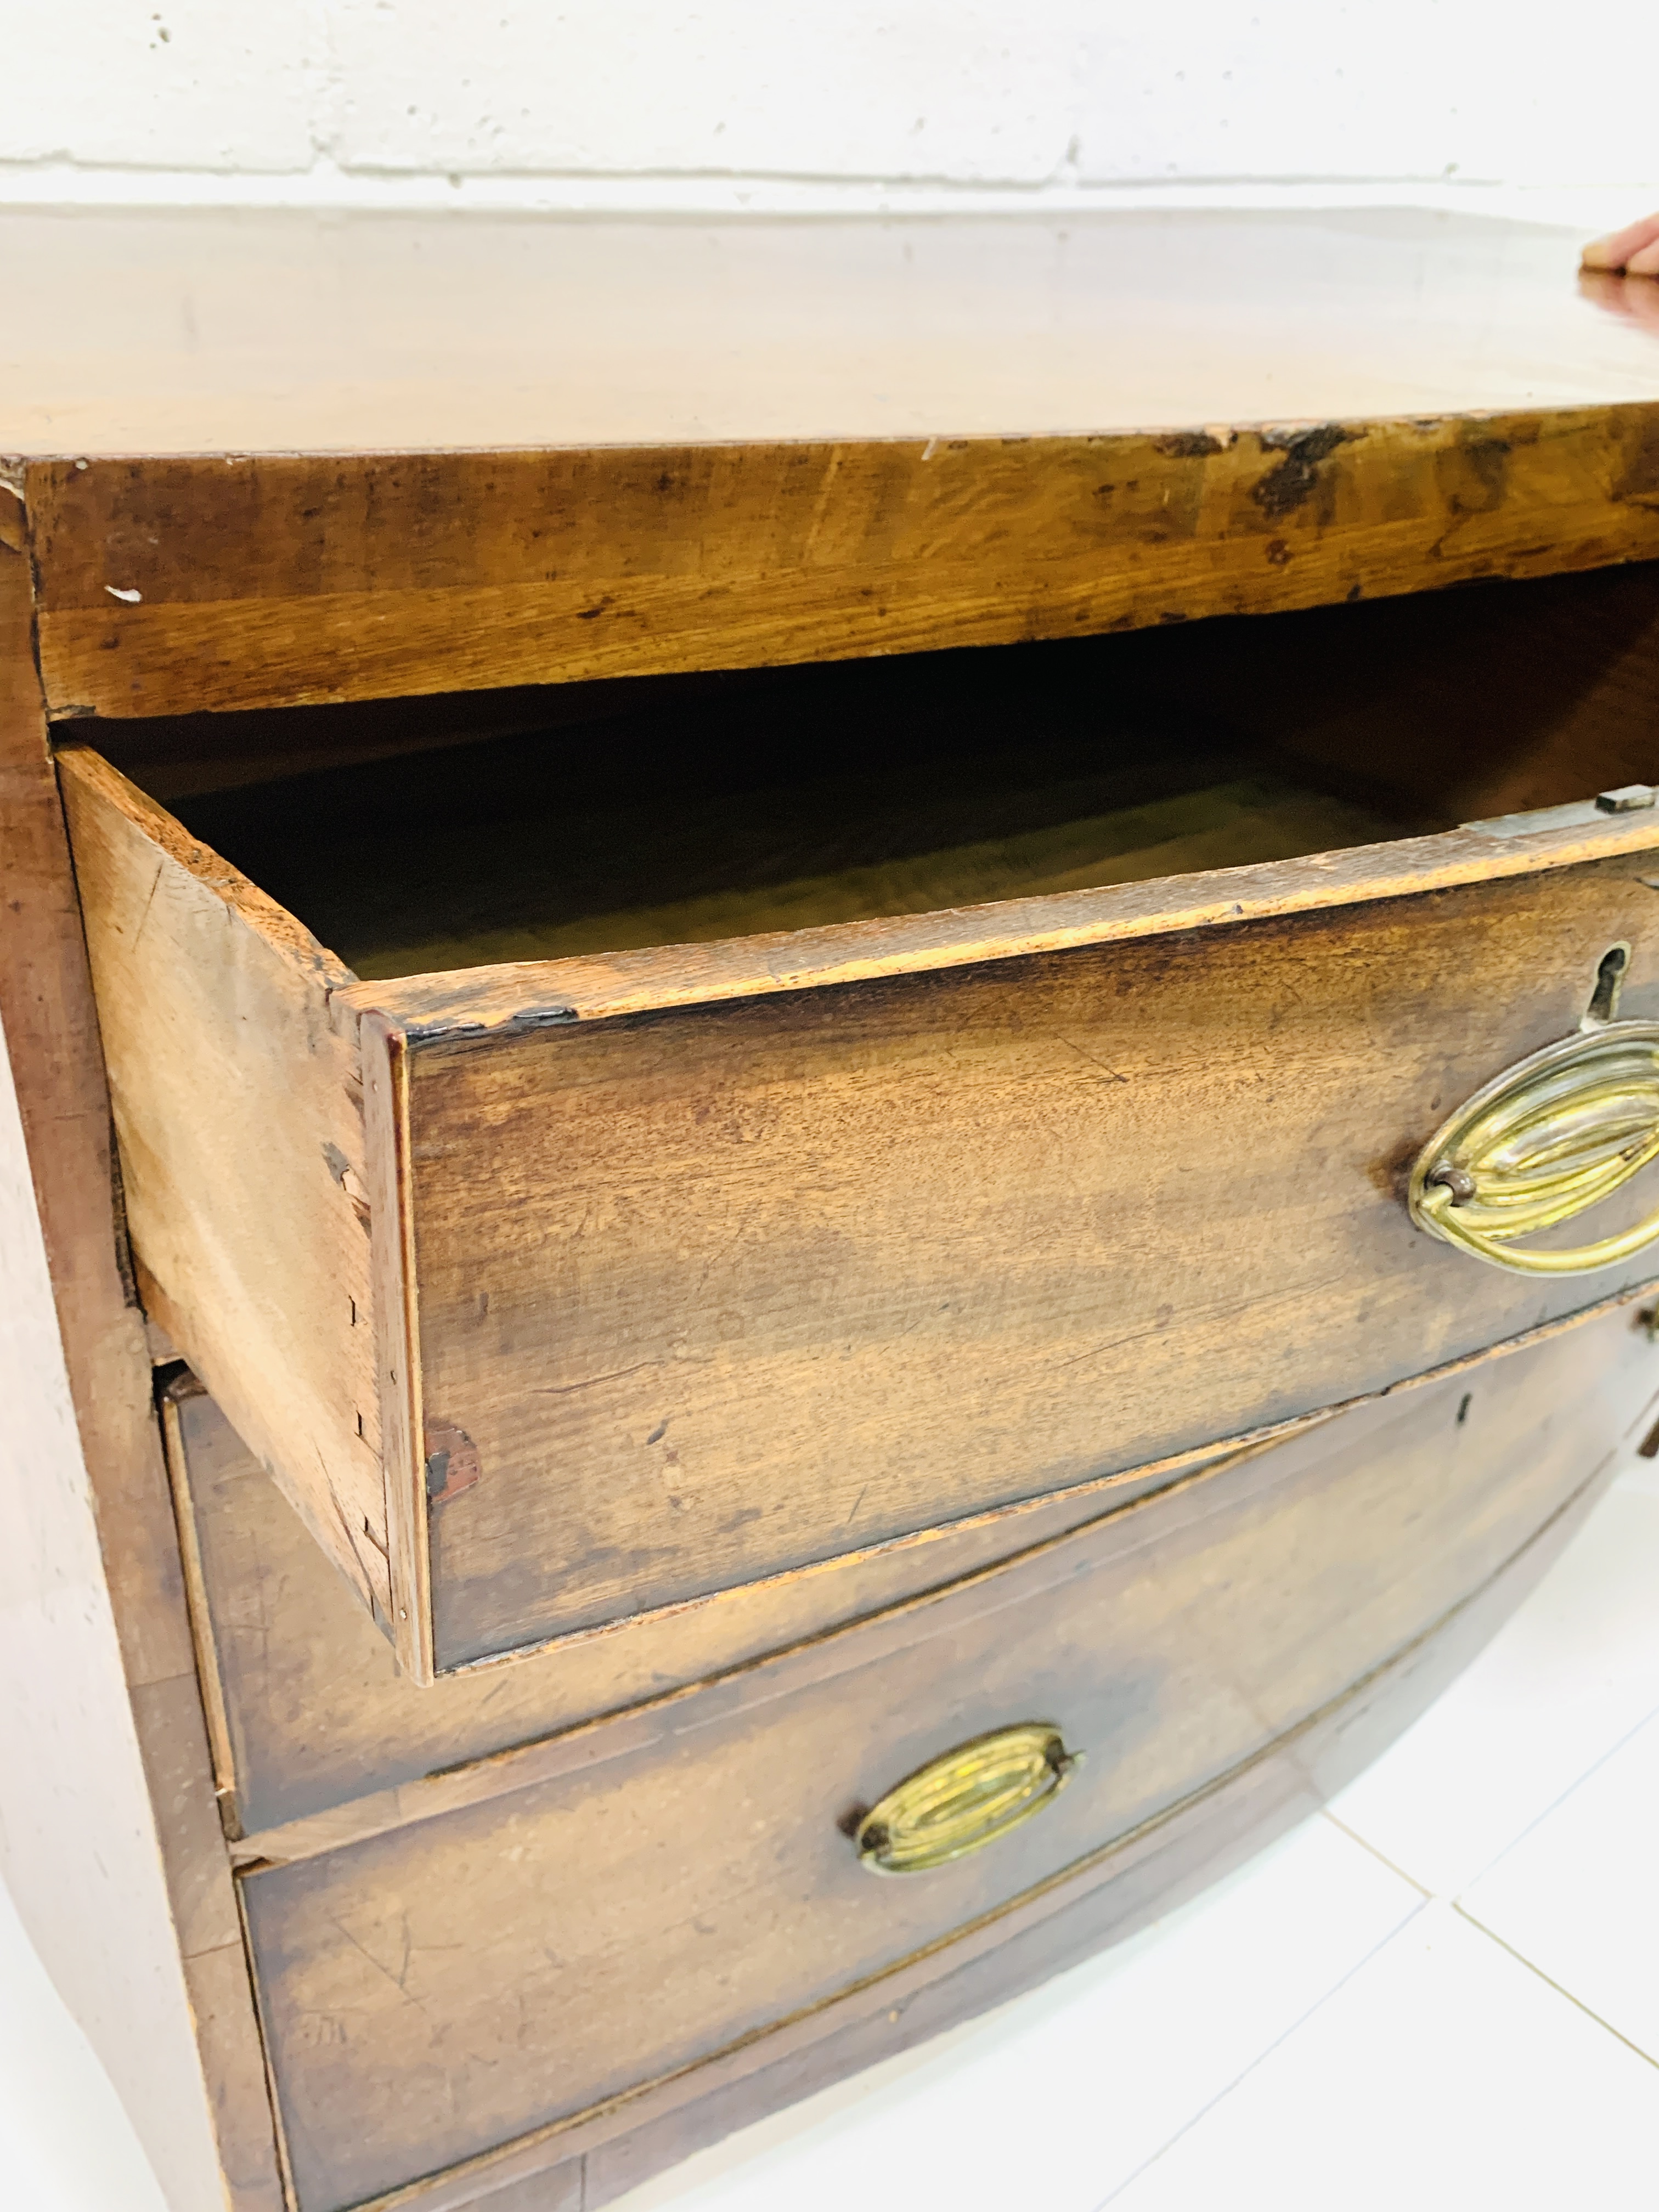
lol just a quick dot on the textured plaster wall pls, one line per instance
(807, 102)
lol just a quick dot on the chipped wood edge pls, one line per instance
(522, 996)
(593, 1742)
(85, 765)
(13, 515)
(398, 1343)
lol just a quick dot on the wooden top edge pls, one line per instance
(171, 586)
(525, 995)
(26, 473)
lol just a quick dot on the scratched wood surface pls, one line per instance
(238, 1107)
(497, 1951)
(1524, 448)
(1173, 1861)
(615, 2145)
(318, 580)
(314, 1715)
(516, 995)
(321, 1740)
(719, 1290)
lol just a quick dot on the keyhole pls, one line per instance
(1610, 982)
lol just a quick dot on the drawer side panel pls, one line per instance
(238, 1108)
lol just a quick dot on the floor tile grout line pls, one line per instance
(1245, 2072)
(1555, 1804)
(1354, 1836)
(1550, 1983)
(1521, 1834)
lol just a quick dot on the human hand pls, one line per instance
(1635, 249)
(1635, 298)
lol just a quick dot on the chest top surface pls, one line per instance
(275, 459)
(144, 332)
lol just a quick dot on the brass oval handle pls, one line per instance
(966, 1799)
(1554, 1134)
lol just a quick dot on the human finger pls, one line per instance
(1604, 288)
(1614, 252)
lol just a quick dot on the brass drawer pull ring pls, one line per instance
(966, 1799)
(1553, 1135)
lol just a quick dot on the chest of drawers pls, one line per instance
(851, 1117)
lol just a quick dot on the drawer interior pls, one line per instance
(593, 819)
(785, 807)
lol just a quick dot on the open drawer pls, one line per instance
(563, 1274)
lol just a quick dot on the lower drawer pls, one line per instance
(556, 1927)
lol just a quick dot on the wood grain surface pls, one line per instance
(661, 810)
(1472, 703)
(319, 1731)
(1173, 1861)
(941, 483)
(528, 1709)
(238, 1106)
(520, 996)
(1093, 1100)
(640, 448)
(306, 580)
(1107, 1898)
(113, 1851)
(495, 1952)
(515, 851)
(1497, 697)
(721, 1290)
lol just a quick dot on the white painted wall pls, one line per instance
(783, 104)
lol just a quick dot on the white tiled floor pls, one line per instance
(1444, 1994)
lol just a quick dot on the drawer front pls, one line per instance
(563, 1294)
(636, 1898)
(313, 1710)
(717, 1291)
